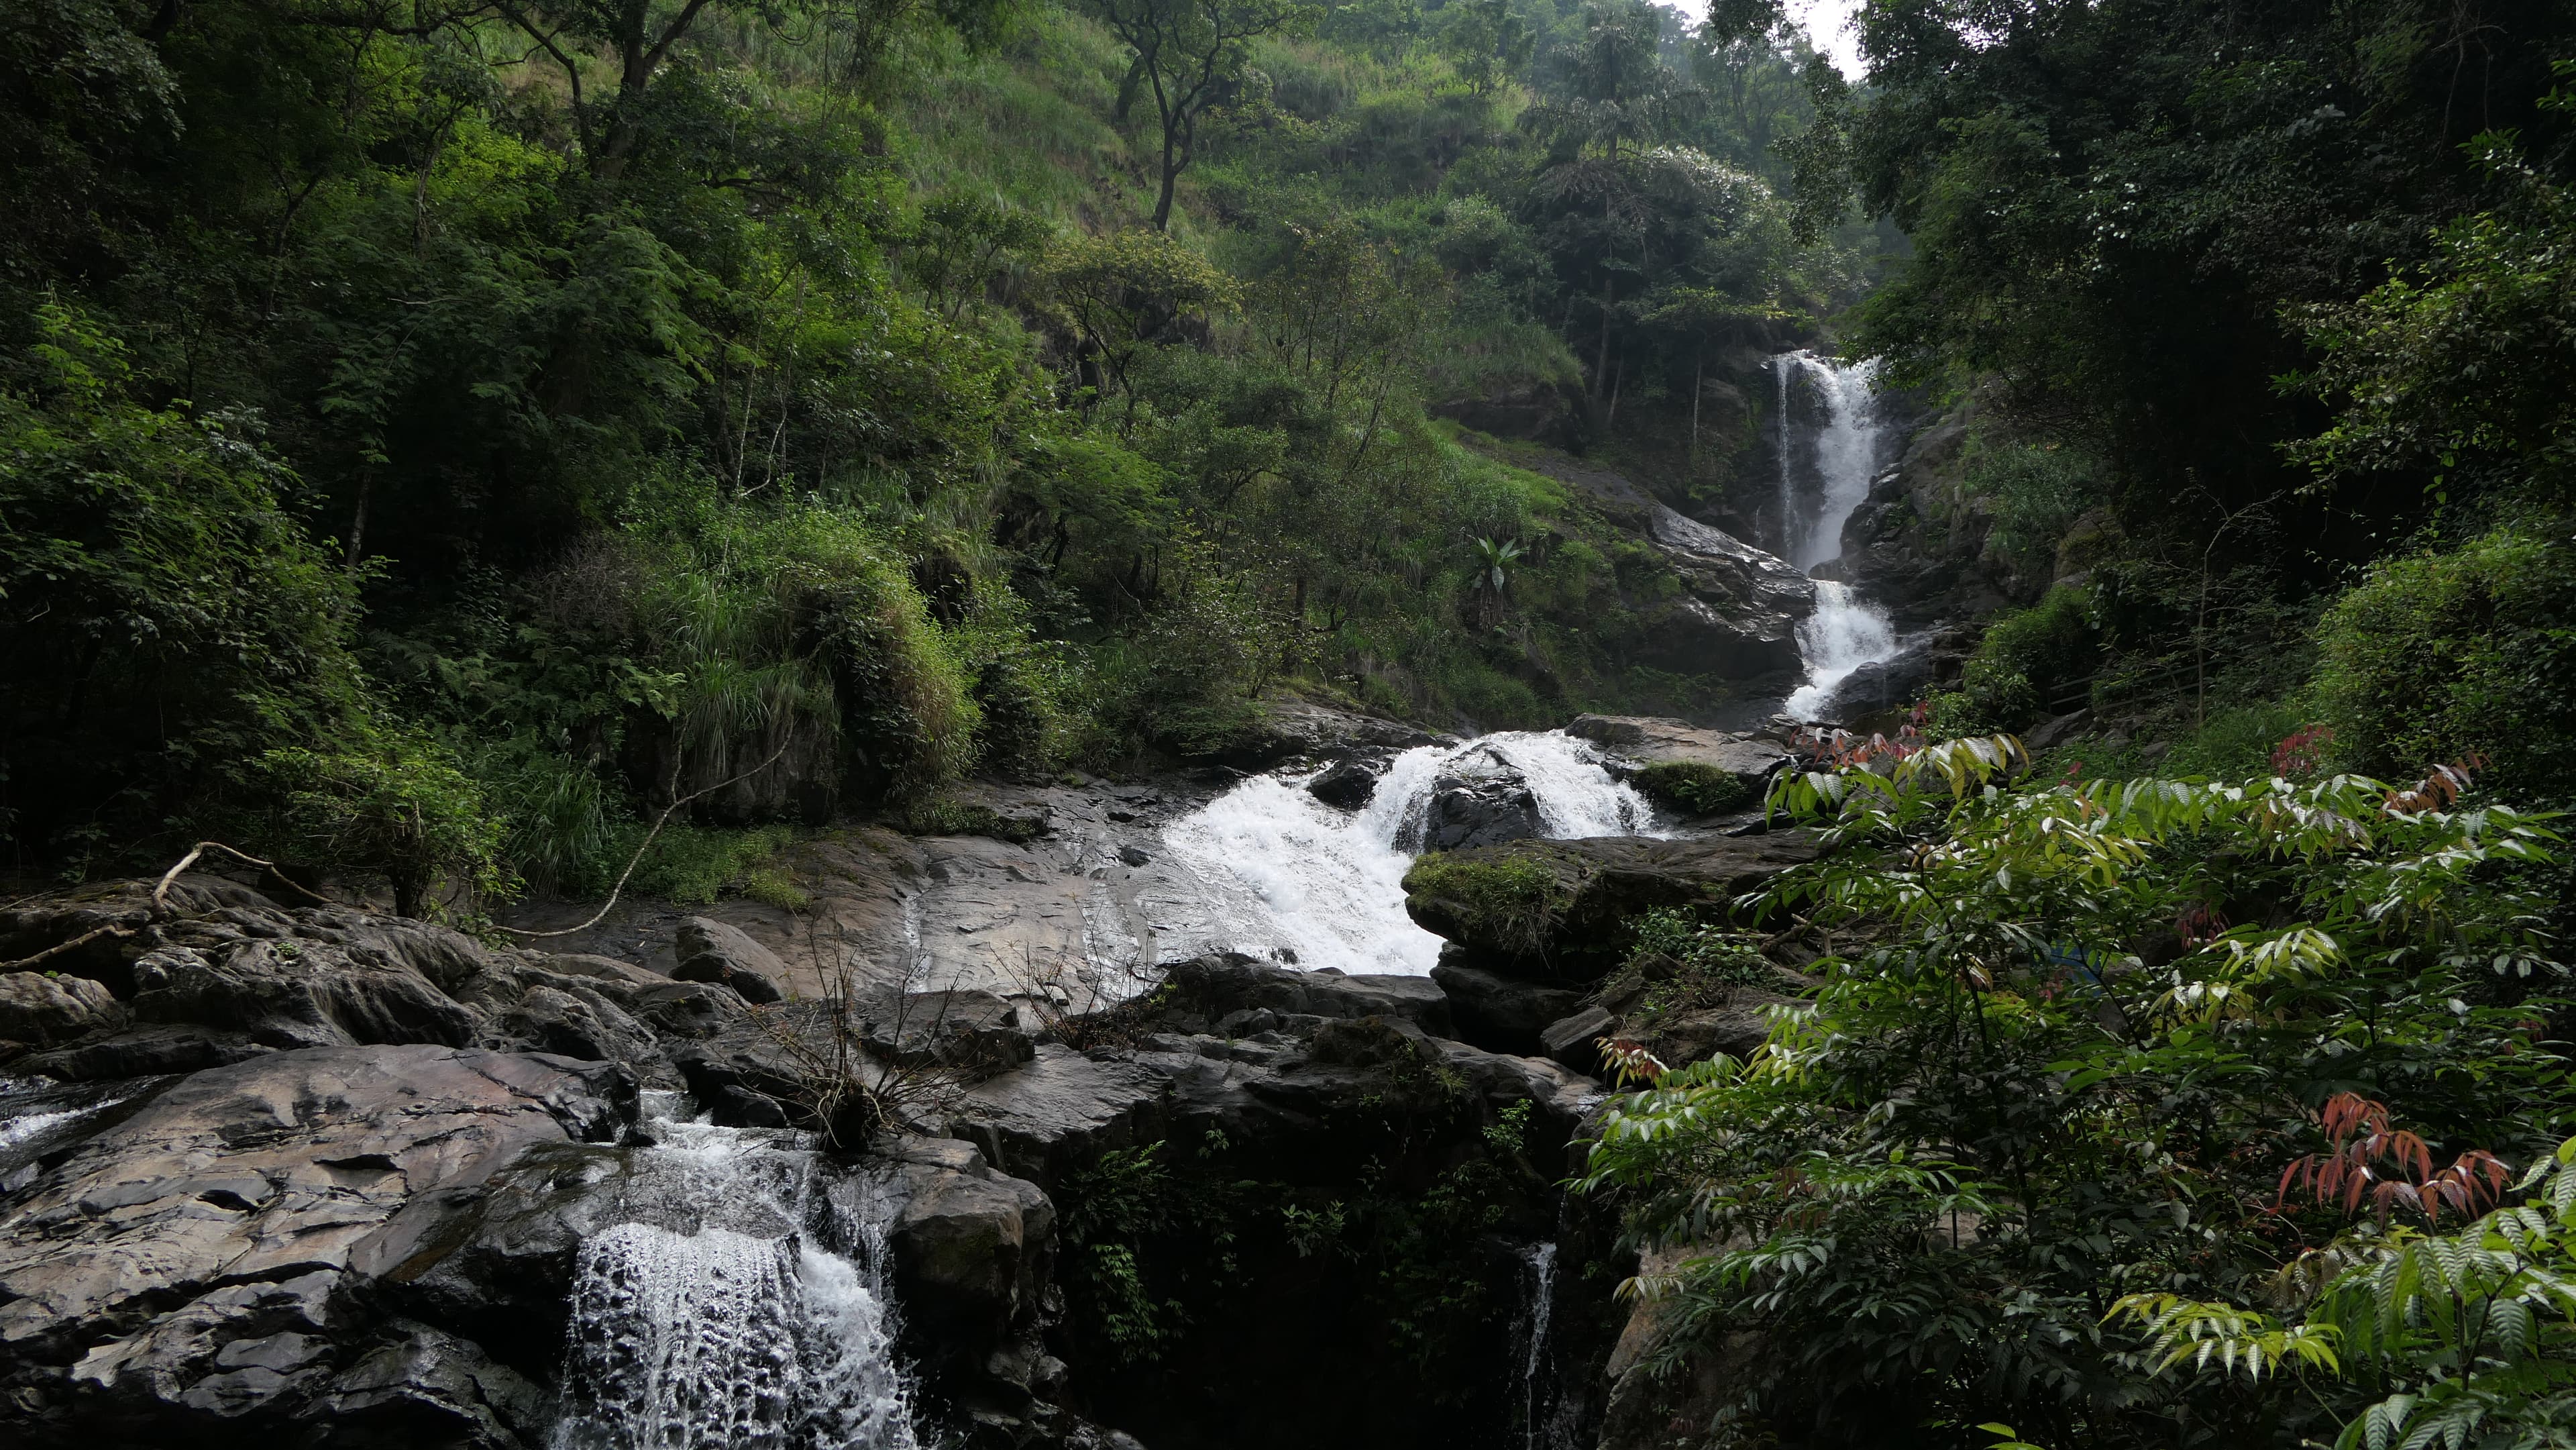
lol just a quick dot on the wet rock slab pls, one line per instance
(195, 1259)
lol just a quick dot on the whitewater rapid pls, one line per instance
(1299, 881)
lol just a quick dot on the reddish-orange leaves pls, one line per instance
(2436, 791)
(2368, 1158)
(1630, 1061)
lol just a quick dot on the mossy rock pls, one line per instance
(1506, 898)
(1553, 911)
(1695, 787)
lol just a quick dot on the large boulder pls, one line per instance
(43, 1009)
(194, 1264)
(1057, 1111)
(973, 1248)
(1548, 911)
(1479, 799)
(712, 951)
(1682, 766)
(1213, 993)
(1738, 612)
(1499, 1013)
(1347, 784)
(1294, 728)
(292, 993)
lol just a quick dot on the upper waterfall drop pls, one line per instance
(1303, 883)
(1839, 458)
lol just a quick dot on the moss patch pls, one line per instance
(1694, 786)
(1506, 902)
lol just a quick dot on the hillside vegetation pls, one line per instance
(438, 434)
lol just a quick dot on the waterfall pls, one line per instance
(737, 1308)
(1840, 637)
(1299, 881)
(1541, 1259)
(1846, 632)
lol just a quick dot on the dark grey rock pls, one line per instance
(293, 993)
(1203, 991)
(972, 1248)
(199, 1262)
(1874, 690)
(1570, 1040)
(1479, 799)
(1498, 1013)
(143, 1052)
(1135, 855)
(1347, 785)
(39, 1009)
(2052, 733)
(1595, 883)
(711, 951)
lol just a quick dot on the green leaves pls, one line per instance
(2180, 1330)
(2021, 1153)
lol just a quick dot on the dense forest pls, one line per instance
(438, 434)
(438, 437)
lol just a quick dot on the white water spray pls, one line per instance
(1845, 632)
(1303, 882)
(727, 1321)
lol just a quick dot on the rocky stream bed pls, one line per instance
(275, 1173)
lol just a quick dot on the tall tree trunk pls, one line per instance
(358, 521)
(1601, 365)
(1171, 174)
(1699, 366)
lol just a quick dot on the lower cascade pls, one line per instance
(756, 1314)
(1841, 636)
(1311, 885)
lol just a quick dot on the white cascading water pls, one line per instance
(1303, 882)
(1541, 1261)
(1845, 632)
(730, 1321)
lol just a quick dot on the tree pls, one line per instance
(1188, 54)
(1485, 43)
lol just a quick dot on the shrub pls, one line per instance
(2468, 652)
(2027, 662)
(399, 806)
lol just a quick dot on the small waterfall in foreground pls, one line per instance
(1325, 888)
(1536, 1390)
(752, 1312)
(1840, 455)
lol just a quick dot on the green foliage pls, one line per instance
(2079, 1038)
(2027, 663)
(2459, 654)
(1508, 900)
(2038, 493)
(1695, 787)
(398, 806)
(168, 616)
(1680, 963)
(2464, 364)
